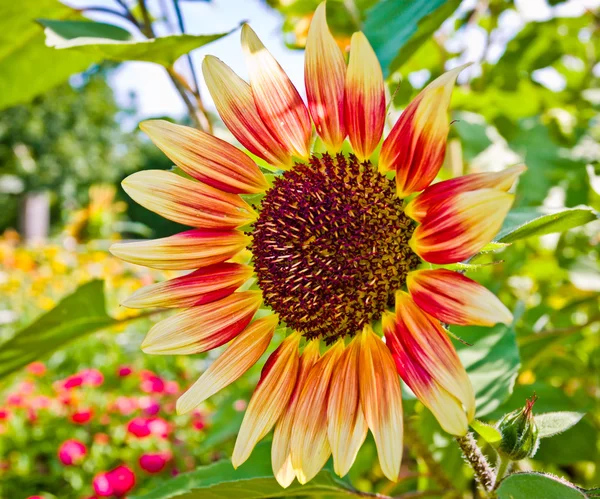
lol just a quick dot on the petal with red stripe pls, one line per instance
(202, 328)
(455, 299)
(206, 158)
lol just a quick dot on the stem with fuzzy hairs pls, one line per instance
(482, 469)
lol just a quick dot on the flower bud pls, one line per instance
(519, 433)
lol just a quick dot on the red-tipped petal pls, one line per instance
(324, 76)
(461, 226)
(206, 158)
(440, 192)
(455, 299)
(381, 401)
(187, 202)
(269, 399)
(416, 146)
(309, 445)
(186, 250)
(205, 285)
(281, 458)
(243, 352)
(277, 100)
(346, 424)
(202, 328)
(427, 362)
(235, 103)
(365, 97)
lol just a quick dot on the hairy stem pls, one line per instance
(483, 471)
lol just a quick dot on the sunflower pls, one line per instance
(328, 249)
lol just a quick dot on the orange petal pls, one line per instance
(187, 202)
(281, 458)
(309, 445)
(440, 192)
(202, 328)
(416, 146)
(346, 424)
(206, 158)
(243, 352)
(324, 76)
(455, 299)
(365, 97)
(269, 399)
(235, 104)
(277, 100)
(462, 226)
(428, 364)
(381, 401)
(202, 286)
(183, 251)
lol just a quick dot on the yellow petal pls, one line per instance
(346, 424)
(381, 401)
(309, 445)
(206, 158)
(235, 103)
(324, 77)
(202, 328)
(243, 352)
(186, 250)
(365, 97)
(269, 399)
(277, 100)
(281, 458)
(187, 202)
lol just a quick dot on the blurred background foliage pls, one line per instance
(531, 96)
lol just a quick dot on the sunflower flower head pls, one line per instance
(335, 251)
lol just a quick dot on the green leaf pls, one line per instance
(529, 222)
(88, 29)
(165, 50)
(253, 480)
(553, 423)
(489, 433)
(492, 363)
(530, 485)
(397, 28)
(27, 67)
(79, 313)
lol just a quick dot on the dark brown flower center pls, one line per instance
(331, 246)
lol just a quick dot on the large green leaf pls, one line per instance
(492, 363)
(530, 485)
(98, 46)
(253, 480)
(529, 222)
(87, 29)
(553, 423)
(27, 67)
(79, 313)
(397, 28)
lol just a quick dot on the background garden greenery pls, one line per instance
(532, 96)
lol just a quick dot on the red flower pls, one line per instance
(36, 368)
(154, 462)
(82, 416)
(72, 452)
(4, 414)
(124, 371)
(143, 427)
(72, 382)
(116, 482)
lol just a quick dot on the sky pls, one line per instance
(157, 97)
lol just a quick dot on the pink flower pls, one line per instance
(72, 452)
(72, 382)
(4, 414)
(155, 462)
(91, 377)
(199, 424)
(15, 400)
(125, 405)
(151, 383)
(143, 427)
(40, 402)
(36, 368)
(172, 387)
(35, 497)
(149, 405)
(124, 371)
(121, 480)
(102, 485)
(82, 416)
(159, 427)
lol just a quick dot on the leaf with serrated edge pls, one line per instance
(553, 423)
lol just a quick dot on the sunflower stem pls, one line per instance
(482, 469)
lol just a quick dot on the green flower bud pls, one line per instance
(519, 433)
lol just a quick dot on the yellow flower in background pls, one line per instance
(334, 251)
